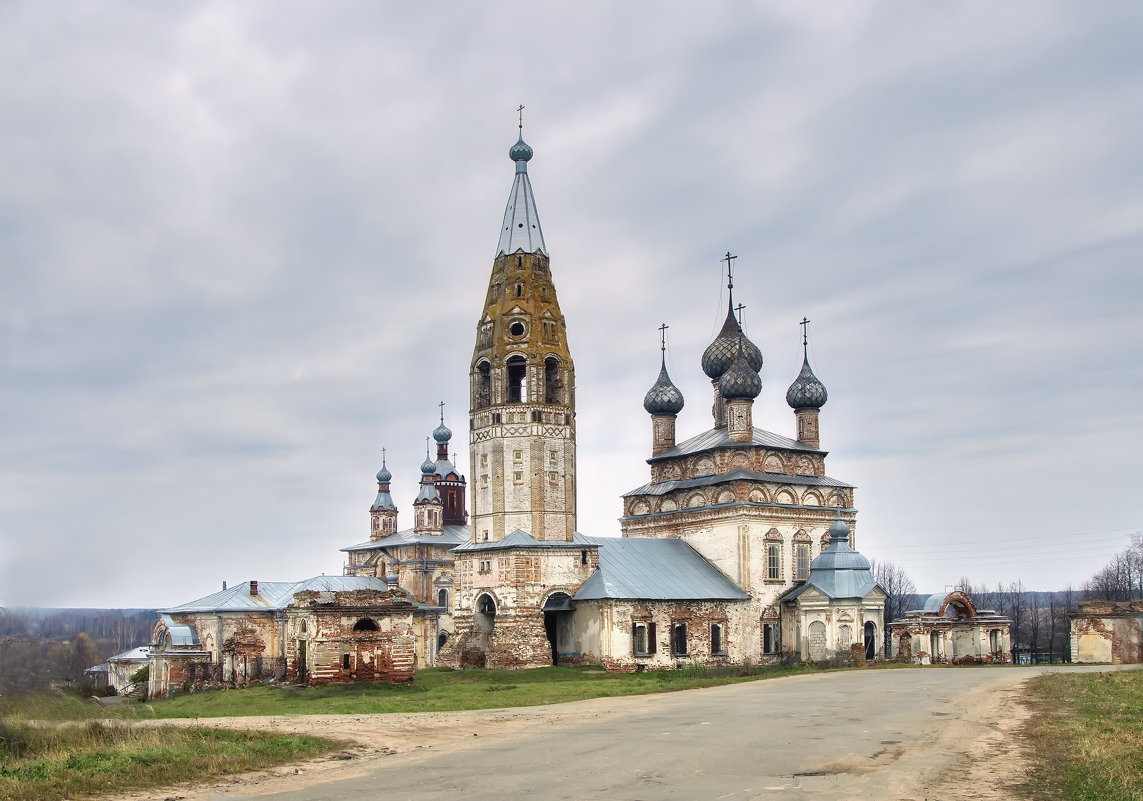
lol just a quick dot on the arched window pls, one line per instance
(716, 645)
(769, 638)
(801, 561)
(517, 379)
(442, 639)
(553, 386)
(483, 385)
(870, 640)
(485, 605)
(442, 597)
(365, 624)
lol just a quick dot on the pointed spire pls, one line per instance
(384, 501)
(521, 227)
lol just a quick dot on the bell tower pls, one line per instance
(522, 382)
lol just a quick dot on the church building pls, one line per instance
(738, 549)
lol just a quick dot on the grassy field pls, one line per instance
(73, 756)
(1087, 733)
(441, 690)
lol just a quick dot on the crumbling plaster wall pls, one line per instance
(1106, 632)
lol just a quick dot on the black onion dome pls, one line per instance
(664, 397)
(719, 354)
(807, 392)
(741, 379)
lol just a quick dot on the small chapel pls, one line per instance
(740, 548)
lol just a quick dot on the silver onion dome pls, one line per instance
(741, 379)
(807, 392)
(429, 467)
(664, 397)
(442, 434)
(521, 151)
(719, 354)
(384, 476)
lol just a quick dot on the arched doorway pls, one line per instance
(484, 623)
(870, 640)
(557, 623)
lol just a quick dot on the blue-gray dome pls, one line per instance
(520, 151)
(384, 476)
(664, 397)
(719, 354)
(442, 434)
(740, 381)
(807, 392)
(429, 467)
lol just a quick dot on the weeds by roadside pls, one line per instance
(1086, 735)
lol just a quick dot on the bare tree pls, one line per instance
(899, 590)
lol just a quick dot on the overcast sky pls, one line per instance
(244, 246)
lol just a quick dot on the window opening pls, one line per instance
(679, 640)
(483, 385)
(773, 562)
(442, 598)
(517, 374)
(365, 624)
(553, 386)
(345, 661)
(716, 638)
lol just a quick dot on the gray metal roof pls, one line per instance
(838, 572)
(139, 654)
(451, 535)
(181, 633)
(720, 438)
(272, 595)
(655, 570)
(521, 227)
(522, 539)
(738, 474)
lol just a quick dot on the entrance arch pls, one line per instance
(870, 640)
(558, 610)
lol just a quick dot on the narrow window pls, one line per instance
(345, 661)
(802, 569)
(519, 290)
(583, 557)
(517, 373)
(679, 639)
(552, 385)
(483, 385)
(773, 562)
(442, 597)
(769, 640)
(639, 639)
(715, 638)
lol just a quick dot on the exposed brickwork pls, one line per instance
(1107, 632)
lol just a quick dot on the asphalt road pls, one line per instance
(884, 734)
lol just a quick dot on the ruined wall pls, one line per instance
(1106, 632)
(816, 628)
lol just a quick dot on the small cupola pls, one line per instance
(738, 387)
(663, 402)
(806, 396)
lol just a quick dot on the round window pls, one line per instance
(516, 329)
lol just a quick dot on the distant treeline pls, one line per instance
(39, 647)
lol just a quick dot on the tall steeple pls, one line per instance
(522, 381)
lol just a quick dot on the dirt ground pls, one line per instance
(974, 755)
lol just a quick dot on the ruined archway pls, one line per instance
(557, 623)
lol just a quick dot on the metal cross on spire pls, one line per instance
(663, 337)
(728, 258)
(805, 324)
(520, 115)
(382, 457)
(739, 309)
(441, 404)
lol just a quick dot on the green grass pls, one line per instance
(49, 751)
(1087, 733)
(443, 690)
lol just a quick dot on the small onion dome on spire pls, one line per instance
(838, 530)
(719, 354)
(428, 467)
(741, 379)
(664, 397)
(521, 151)
(807, 392)
(442, 433)
(384, 476)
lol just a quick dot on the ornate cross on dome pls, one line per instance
(728, 258)
(520, 114)
(805, 324)
(441, 404)
(382, 457)
(663, 337)
(739, 309)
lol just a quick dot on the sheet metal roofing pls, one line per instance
(720, 438)
(655, 570)
(521, 227)
(273, 594)
(838, 572)
(451, 535)
(738, 474)
(139, 654)
(522, 539)
(181, 633)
